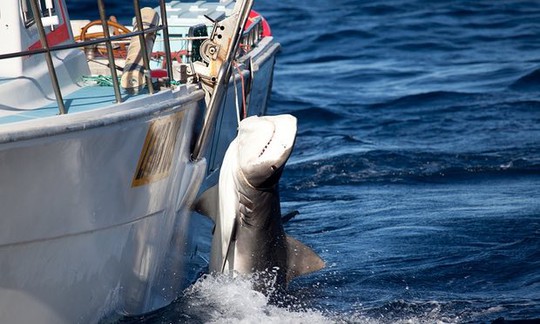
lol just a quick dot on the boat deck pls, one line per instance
(85, 98)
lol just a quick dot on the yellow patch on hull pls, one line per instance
(155, 160)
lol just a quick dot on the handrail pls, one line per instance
(142, 40)
(110, 56)
(248, 38)
(107, 39)
(50, 65)
(79, 44)
(115, 38)
(252, 35)
(166, 43)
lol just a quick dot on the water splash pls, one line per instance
(218, 298)
(224, 299)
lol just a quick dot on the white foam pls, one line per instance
(225, 299)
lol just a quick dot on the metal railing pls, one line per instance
(48, 57)
(108, 39)
(248, 39)
(252, 35)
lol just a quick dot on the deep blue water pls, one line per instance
(416, 169)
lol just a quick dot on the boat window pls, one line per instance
(45, 6)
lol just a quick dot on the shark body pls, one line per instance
(248, 235)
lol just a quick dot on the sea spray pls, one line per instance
(224, 299)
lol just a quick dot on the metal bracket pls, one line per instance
(218, 52)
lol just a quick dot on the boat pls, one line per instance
(108, 133)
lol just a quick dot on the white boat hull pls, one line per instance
(95, 206)
(95, 212)
(75, 226)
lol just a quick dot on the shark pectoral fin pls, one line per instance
(229, 254)
(208, 203)
(301, 259)
(287, 217)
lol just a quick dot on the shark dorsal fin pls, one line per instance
(208, 203)
(301, 259)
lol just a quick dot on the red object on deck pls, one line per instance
(158, 73)
(266, 27)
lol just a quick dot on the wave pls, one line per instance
(380, 166)
(224, 299)
(221, 298)
(380, 9)
(343, 36)
(433, 46)
(280, 100)
(530, 81)
(309, 116)
(318, 57)
(431, 311)
(428, 99)
(316, 115)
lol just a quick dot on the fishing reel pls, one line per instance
(209, 51)
(215, 50)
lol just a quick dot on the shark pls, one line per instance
(248, 236)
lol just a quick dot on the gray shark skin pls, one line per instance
(248, 235)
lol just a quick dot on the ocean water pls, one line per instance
(416, 169)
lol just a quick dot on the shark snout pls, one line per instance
(265, 145)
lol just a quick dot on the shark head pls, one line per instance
(265, 144)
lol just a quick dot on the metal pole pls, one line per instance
(166, 43)
(48, 57)
(110, 54)
(144, 50)
(223, 78)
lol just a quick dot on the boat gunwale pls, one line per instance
(116, 113)
(113, 114)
